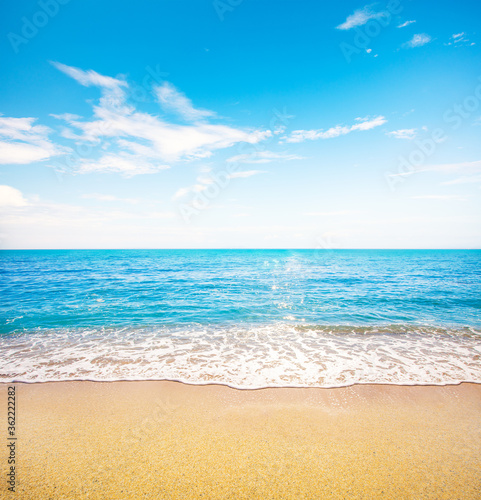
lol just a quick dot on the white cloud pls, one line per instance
(136, 142)
(113, 95)
(89, 77)
(180, 193)
(155, 138)
(245, 173)
(172, 100)
(465, 179)
(367, 123)
(21, 153)
(202, 182)
(369, 51)
(22, 142)
(263, 157)
(66, 116)
(441, 197)
(127, 165)
(362, 125)
(109, 198)
(407, 23)
(405, 133)
(328, 214)
(445, 168)
(162, 215)
(418, 40)
(11, 197)
(360, 17)
(449, 167)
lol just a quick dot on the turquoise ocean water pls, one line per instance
(246, 318)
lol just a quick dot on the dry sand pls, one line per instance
(135, 440)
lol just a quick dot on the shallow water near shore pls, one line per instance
(245, 318)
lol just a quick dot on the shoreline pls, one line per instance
(163, 439)
(247, 356)
(236, 388)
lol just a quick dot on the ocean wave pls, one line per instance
(247, 356)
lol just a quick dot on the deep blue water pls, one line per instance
(51, 289)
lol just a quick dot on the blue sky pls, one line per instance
(240, 124)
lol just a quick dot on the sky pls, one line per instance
(240, 124)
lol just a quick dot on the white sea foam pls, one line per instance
(247, 357)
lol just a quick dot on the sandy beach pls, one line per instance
(170, 440)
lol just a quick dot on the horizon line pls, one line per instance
(235, 248)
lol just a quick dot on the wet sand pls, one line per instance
(134, 440)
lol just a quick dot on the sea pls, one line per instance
(245, 318)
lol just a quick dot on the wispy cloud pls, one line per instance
(195, 188)
(360, 17)
(407, 23)
(175, 101)
(369, 51)
(465, 179)
(362, 125)
(122, 163)
(459, 40)
(245, 173)
(110, 198)
(263, 157)
(180, 193)
(445, 168)
(418, 40)
(42, 217)
(89, 77)
(66, 116)
(329, 214)
(440, 197)
(202, 182)
(451, 167)
(405, 133)
(207, 178)
(112, 88)
(22, 142)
